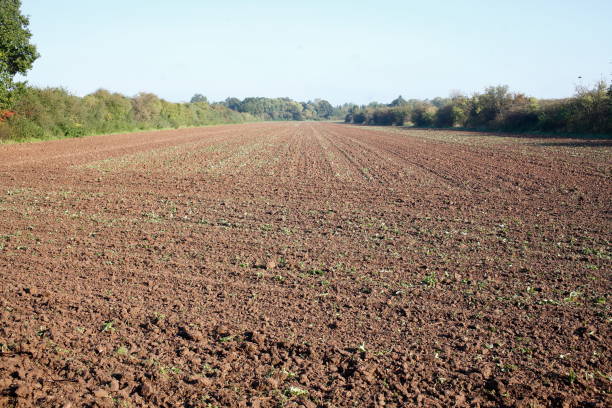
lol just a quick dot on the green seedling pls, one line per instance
(289, 374)
(296, 392)
(108, 327)
(572, 377)
(573, 296)
(169, 370)
(122, 351)
(430, 280)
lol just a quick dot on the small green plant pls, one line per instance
(227, 339)
(600, 300)
(169, 370)
(430, 280)
(293, 391)
(573, 296)
(571, 377)
(108, 327)
(289, 374)
(122, 351)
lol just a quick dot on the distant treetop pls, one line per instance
(199, 98)
(399, 101)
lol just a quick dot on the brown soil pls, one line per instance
(305, 264)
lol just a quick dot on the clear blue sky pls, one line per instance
(343, 51)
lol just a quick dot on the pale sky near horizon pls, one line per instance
(342, 51)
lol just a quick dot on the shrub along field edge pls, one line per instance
(588, 112)
(53, 113)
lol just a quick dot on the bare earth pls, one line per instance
(306, 265)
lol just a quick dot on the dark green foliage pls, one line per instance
(439, 102)
(285, 108)
(520, 115)
(379, 115)
(383, 117)
(589, 112)
(199, 98)
(233, 103)
(54, 113)
(324, 109)
(445, 116)
(423, 115)
(399, 101)
(487, 108)
(359, 117)
(16, 53)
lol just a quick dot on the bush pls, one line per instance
(5, 131)
(75, 130)
(359, 117)
(424, 115)
(588, 112)
(22, 128)
(53, 112)
(521, 115)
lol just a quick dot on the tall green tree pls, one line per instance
(16, 53)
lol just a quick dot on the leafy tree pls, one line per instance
(423, 115)
(487, 107)
(309, 111)
(439, 102)
(233, 104)
(399, 101)
(146, 108)
(454, 111)
(199, 98)
(591, 110)
(324, 109)
(16, 53)
(359, 117)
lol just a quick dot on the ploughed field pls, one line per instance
(305, 264)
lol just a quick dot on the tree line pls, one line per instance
(43, 113)
(283, 108)
(55, 113)
(589, 111)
